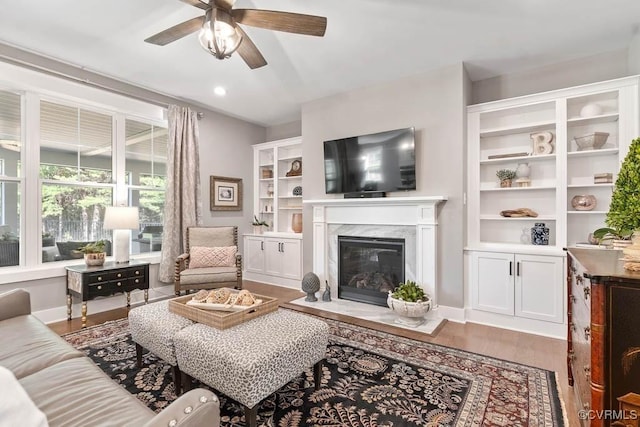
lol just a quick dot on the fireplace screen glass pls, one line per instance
(368, 268)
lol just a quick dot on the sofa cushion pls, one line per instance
(76, 392)
(16, 407)
(202, 257)
(33, 346)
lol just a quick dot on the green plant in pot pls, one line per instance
(94, 253)
(410, 302)
(623, 217)
(258, 225)
(505, 176)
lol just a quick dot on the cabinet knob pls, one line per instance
(137, 280)
(587, 332)
(99, 278)
(137, 272)
(119, 283)
(119, 275)
(99, 287)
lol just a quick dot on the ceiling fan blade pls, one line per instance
(197, 3)
(224, 4)
(249, 52)
(176, 32)
(281, 21)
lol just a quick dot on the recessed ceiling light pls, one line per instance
(220, 91)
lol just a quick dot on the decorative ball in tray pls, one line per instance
(224, 299)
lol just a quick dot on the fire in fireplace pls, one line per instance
(369, 267)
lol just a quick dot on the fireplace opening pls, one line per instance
(369, 267)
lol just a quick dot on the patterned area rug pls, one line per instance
(370, 378)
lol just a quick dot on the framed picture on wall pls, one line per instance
(226, 193)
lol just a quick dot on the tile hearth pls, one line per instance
(373, 313)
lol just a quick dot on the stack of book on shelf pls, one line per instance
(602, 178)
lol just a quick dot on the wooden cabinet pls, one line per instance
(527, 286)
(273, 259)
(604, 331)
(109, 279)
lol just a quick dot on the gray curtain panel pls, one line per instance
(183, 204)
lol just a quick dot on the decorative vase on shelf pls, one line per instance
(591, 109)
(296, 222)
(523, 170)
(584, 202)
(539, 234)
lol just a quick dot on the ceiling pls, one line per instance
(366, 42)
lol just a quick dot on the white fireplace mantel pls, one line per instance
(420, 212)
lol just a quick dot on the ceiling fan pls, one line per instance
(221, 36)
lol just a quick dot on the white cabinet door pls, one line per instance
(283, 257)
(492, 282)
(254, 254)
(272, 256)
(291, 259)
(539, 288)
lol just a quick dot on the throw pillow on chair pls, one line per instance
(202, 257)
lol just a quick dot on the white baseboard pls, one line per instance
(272, 280)
(452, 314)
(520, 324)
(58, 314)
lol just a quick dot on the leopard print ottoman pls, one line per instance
(153, 327)
(250, 361)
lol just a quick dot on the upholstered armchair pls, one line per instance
(211, 260)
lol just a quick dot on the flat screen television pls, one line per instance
(379, 162)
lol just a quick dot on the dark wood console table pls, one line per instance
(603, 355)
(105, 280)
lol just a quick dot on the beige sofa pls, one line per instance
(69, 388)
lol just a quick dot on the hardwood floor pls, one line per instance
(534, 350)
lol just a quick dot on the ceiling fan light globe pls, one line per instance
(219, 37)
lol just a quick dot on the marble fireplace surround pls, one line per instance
(411, 218)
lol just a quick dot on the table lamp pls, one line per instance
(121, 219)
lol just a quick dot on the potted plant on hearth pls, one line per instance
(258, 224)
(94, 253)
(410, 303)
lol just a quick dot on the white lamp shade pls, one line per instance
(121, 218)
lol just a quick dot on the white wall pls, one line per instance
(284, 131)
(590, 69)
(435, 105)
(634, 54)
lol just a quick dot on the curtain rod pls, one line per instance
(87, 82)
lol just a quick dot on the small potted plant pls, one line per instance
(410, 302)
(258, 224)
(94, 253)
(505, 176)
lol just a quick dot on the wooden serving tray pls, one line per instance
(222, 319)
